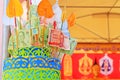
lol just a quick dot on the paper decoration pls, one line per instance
(14, 8)
(33, 16)
(31, 51)
(31, 62)
(32, 73)
(56, 38)
(60, 56)
(58, 14)
(67, 65)
(30, 40)
(46, 33)
(43, 21)
(23, 40)
(35, 30)
(41, 35)
(45, 9)
(71, 20)
(57, 11)
(66, 43)
(73, 44)
(24, 16)
(12, 43)
(33, 66)
(65, 28)
(85, 64)
(49, 21)
(35, 37)
(106, 64)
(63, 16)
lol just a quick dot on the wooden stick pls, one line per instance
(29, 19)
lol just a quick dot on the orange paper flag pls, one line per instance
(45, 9)
(71, 20)
(14, 8)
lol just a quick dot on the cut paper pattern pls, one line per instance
(106, 64)
(85, 64)
(67, 65)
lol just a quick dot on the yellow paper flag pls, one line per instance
(14, 8)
